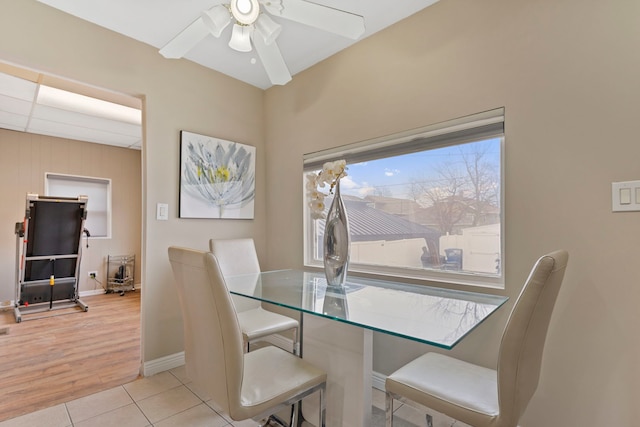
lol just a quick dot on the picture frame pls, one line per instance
(217, 178)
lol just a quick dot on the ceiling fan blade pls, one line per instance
(185, 40)
(272, 61)
(322, 17)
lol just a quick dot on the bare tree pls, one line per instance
(445, 199)
(466, 187)
(482, 179)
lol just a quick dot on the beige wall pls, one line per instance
(567, 73)
(179, 95)
(25, 158)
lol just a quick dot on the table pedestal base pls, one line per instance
(345, 352)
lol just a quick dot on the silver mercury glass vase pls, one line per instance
(335, 302)
(337, 242)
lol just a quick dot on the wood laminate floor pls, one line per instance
(61, 355)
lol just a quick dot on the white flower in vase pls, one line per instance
(329, 175)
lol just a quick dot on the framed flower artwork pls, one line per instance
(217, 177)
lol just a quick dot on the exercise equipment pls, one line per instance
(48, 254)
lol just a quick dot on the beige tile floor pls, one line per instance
(169, 399)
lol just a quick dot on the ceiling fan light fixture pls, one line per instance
(273, 6)
(216, 19)
(241, 38)
(268, 29)
(245, 11)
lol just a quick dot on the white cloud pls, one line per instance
(349, 186)
(365, 191)
(347, 183)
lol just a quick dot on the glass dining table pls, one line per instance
(337, 325)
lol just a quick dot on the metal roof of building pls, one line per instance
(367, 223)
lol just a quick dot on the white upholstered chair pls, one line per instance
(245, 385)
(238, 256)
(479, 396)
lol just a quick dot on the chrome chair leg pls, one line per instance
(429, 420)
(388, 410)
(323, 408)
(295, 341)
(295, 418)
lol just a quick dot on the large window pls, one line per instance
(425, 203)
(97, 189)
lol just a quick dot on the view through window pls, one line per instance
(429, 208)
(98, 190)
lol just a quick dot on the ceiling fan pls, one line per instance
(254, 28)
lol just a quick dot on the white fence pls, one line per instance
(480, 247)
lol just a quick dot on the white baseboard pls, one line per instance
(90, 293)
(377, 380)
(101, 291)
(6, 305)
(280, 341)
(162, 364)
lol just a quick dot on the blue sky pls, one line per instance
(393, 174)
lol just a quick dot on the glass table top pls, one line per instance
(435, 316)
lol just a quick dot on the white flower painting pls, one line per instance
(217, 178)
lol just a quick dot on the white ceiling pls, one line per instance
(156, 22)
(26, 106)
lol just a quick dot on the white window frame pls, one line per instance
(83, 185)
(475, 127)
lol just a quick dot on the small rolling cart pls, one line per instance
(121, 273)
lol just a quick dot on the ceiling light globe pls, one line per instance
(216, 19)
(245, 11)
(241, 38)
(244, 6)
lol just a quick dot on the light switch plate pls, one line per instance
(625, 196)
(162, 211)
